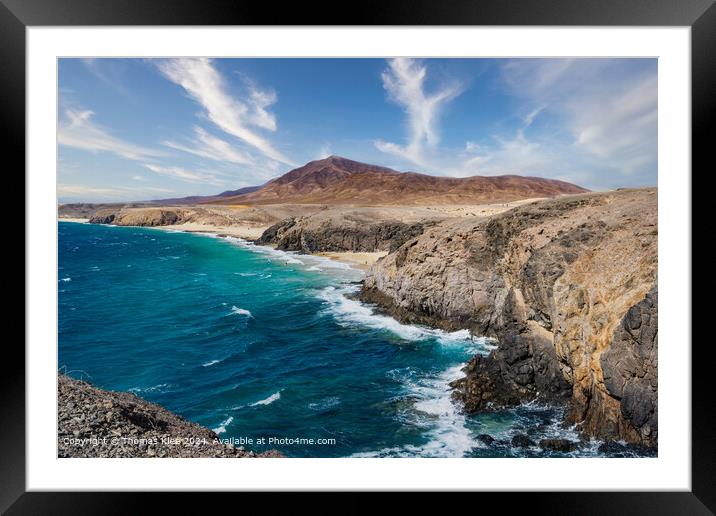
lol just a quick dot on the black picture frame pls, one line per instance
(700, 15)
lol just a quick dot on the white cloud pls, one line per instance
(108, 71)
(183, 174)
(74, 192)
(324, 151)
(65, 190)
(609, 106)
(588, 121)
(203, 82)
(404, 80)
(259, 101)
(209, 146)
(79, 131)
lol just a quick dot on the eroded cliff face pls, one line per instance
(308, 235)
(158, 216)
(568, 287)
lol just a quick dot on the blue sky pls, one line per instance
(137, 129)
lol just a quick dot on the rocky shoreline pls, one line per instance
(567, 286)
(93, 422)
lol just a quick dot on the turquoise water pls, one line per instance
(256, 343)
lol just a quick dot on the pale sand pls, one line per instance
(357, 260)
(72, 219)
(480, 210)
(245, 231)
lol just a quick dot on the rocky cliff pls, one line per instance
(568, 287)
(308, 235)
(92, 422)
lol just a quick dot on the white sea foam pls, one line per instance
(311, 262)
(350, 312)
(162, 387)
(210, 363)
(222, 426)
(267, 401)
(240, 311)
(66, 279)
(325, 404)
(434, 410)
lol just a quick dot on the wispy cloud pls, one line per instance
(106, 70)
(238, 117)
(69, 192)
(404, 80)
(324, 151)
(601, 123)
(78, 130)
(191, 176)
(609, 106)
(209, 146)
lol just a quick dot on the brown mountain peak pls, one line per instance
(339, 180)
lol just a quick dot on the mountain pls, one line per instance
(205, 199)
(337, 180)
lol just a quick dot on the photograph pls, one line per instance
(399, 257)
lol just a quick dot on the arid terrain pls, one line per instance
(565, 280)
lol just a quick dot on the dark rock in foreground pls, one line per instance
(486, 438)
(522, 441)
(561, 445)
(96, 423)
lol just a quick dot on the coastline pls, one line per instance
(460, 388)
(357, 260)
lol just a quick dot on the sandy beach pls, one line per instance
(245, 231)
(361, 261)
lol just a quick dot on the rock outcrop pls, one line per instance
(308, 235)
(96, 423)
(568, 287)
(160, 216)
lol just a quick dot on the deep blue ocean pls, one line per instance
(254, 342)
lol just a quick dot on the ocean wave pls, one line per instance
(210, 363)
(434, 410)
(66, 279)
(267, 401)
(162, 387)
(222, 426)
(240, 311)
(325, 404)
(285, 256)
(349, 312)
(311, 262)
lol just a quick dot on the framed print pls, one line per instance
(417, 250)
